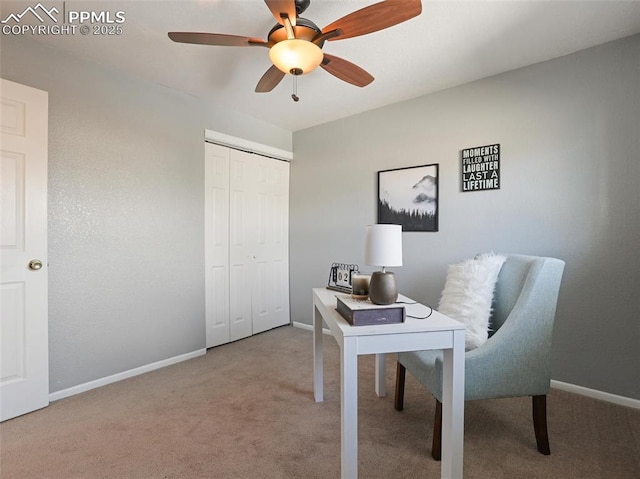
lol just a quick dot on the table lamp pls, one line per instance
(383, 247)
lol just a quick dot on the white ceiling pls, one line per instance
(450, 43)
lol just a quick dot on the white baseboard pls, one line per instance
(308, 327)
(80, 388)
(595, 394)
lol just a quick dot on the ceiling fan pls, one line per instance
(295, 43)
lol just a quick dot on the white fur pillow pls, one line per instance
(468, 295)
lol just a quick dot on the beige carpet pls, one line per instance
(246, 410)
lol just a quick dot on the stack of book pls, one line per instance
(364, 313)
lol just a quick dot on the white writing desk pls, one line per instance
(436, 332)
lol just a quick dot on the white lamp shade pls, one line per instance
(294, 54)
(383, 245)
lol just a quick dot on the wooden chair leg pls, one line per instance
(400, 376)
(540, 423)
(436, 446)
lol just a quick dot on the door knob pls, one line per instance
(35, 264)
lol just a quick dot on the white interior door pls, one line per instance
(24, 341)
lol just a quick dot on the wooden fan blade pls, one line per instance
(346, 71)
(373, 18)
(269, 80)
(281, 9)
(216, 39)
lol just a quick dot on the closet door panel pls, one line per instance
(272, 248)
(241, 217)
(216, 251)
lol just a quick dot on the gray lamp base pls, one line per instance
(383, 288)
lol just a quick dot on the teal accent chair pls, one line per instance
(515, 360)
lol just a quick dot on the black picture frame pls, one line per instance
(409, 197)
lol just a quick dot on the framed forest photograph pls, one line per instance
(409, 197)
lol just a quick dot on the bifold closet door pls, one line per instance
(246, 244)
(259, 240)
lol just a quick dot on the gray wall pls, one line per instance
(126, 205)
(569, 133)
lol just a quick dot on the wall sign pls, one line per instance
(480, 168)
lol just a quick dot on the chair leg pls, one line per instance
(400, 376)
(436, 446)
(540, 423)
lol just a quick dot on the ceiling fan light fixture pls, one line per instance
(295, 56)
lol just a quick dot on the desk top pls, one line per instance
(326, 299)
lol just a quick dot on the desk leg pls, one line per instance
(349, 408)
(453, 408)
(318, 373)
(381, 389)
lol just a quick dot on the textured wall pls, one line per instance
(569, 134)
(126, 205)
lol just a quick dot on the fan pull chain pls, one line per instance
(294, 95)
